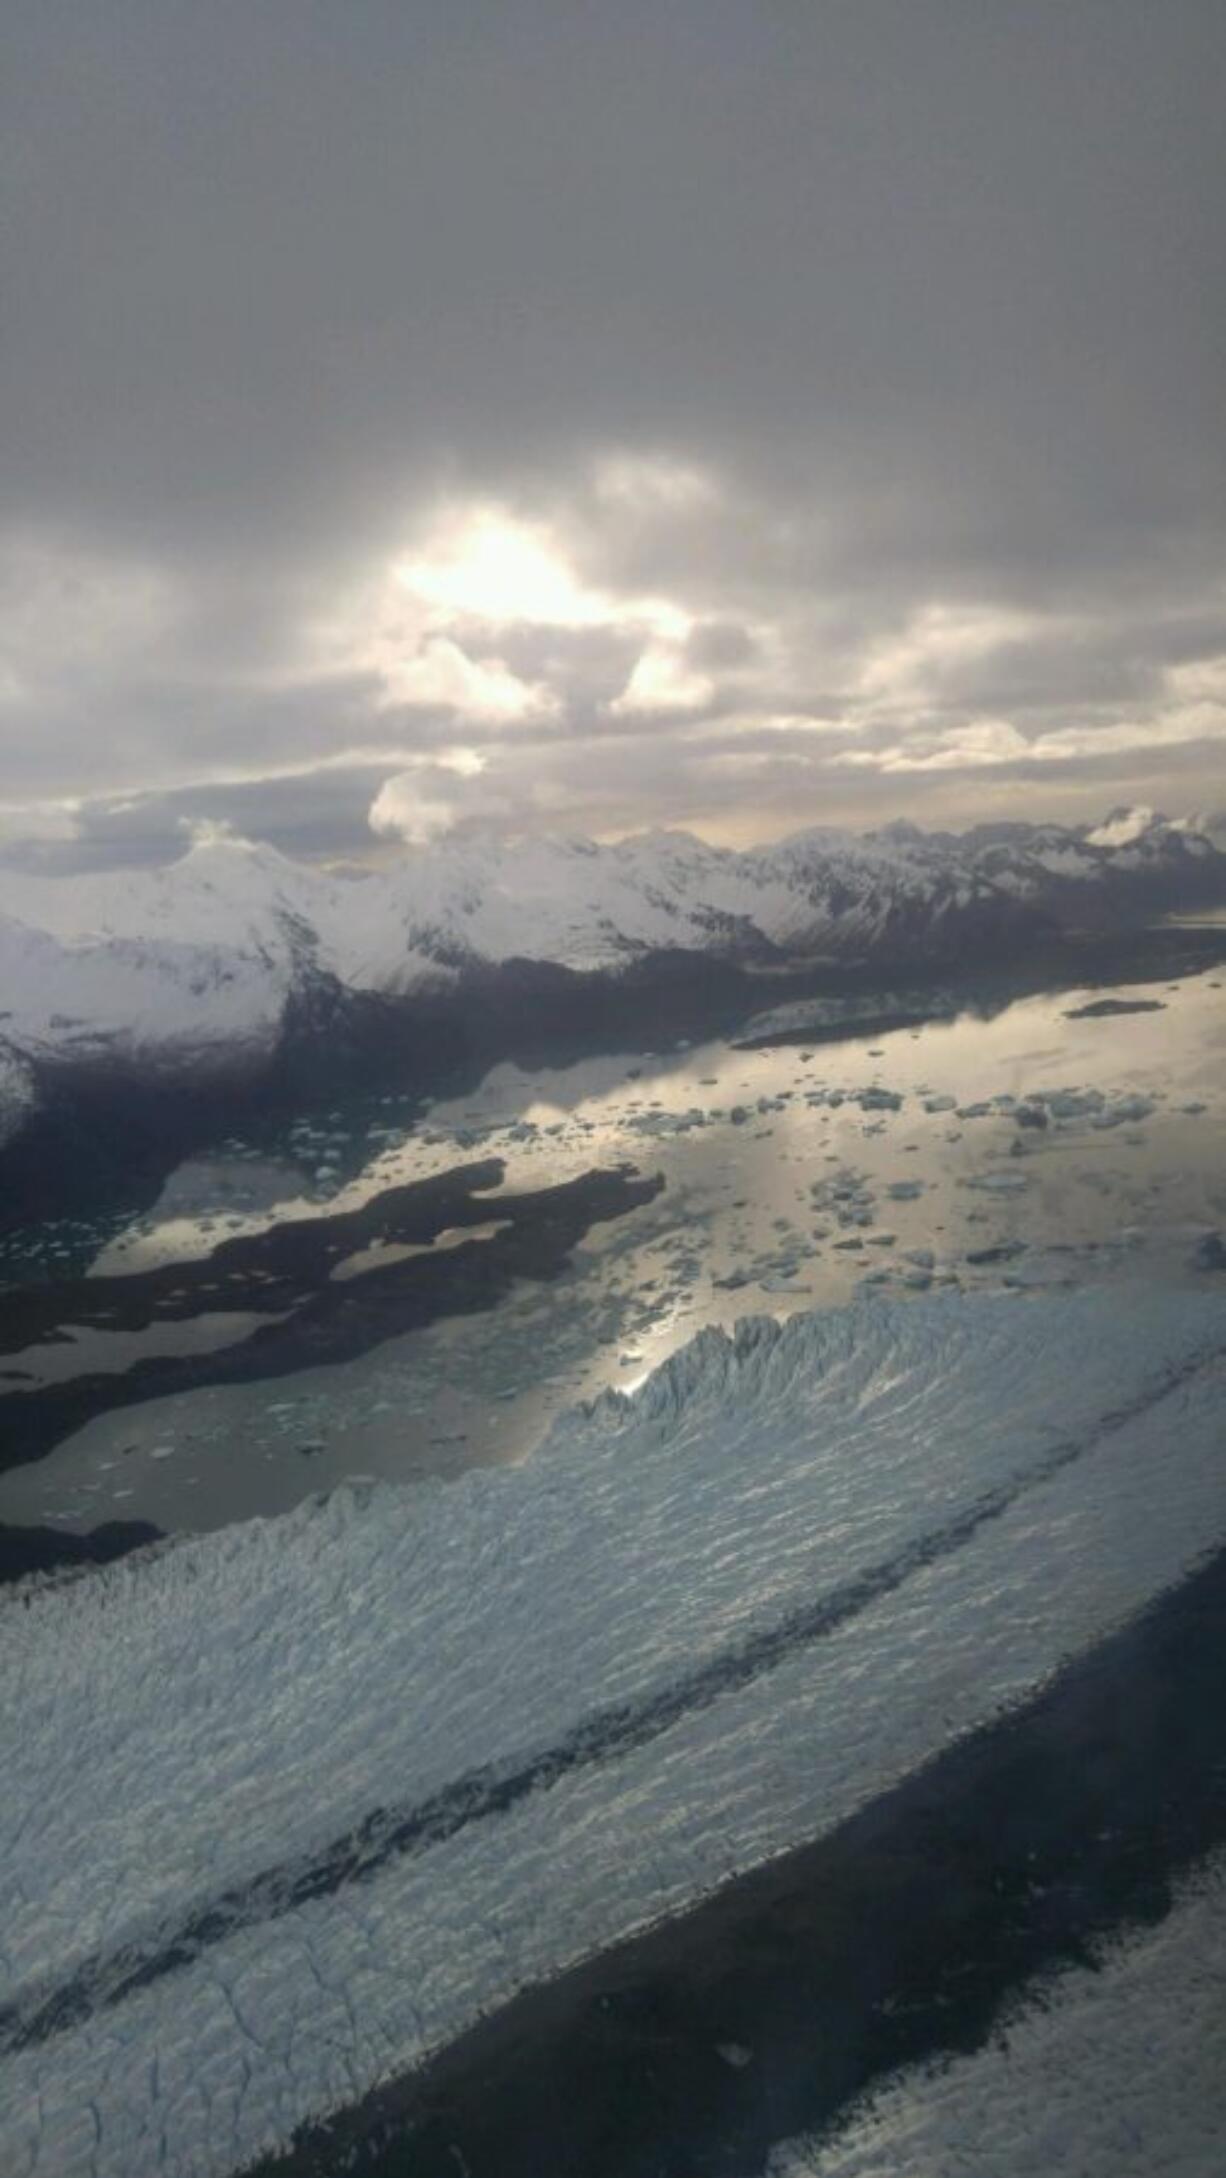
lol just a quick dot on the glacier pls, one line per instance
(287, 1807)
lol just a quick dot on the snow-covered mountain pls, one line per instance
(196, 964)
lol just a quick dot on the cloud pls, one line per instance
(422, 805)
(958, 748)
(70, 616)
(486, 565)
(38, 823)
(401, 811)
(663, 681)
(440, 675)
(724, 416)
(207, 831)
(1120, 830)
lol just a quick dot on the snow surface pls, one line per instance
(707, 1621)
(203, 954)
(104, 997)
(1112, 2071)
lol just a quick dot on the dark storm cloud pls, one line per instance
(880, 307)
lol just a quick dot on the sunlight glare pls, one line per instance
(498, 569)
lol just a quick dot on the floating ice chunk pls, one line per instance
(1032, 1114)
(1073, 1103)
(734, 2054)
(1123, 1111)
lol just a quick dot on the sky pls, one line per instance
(550, 415)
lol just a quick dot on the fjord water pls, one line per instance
(1037, 1145)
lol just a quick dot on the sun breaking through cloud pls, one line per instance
(504, 383)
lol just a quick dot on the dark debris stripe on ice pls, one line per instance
(897, 1937)
(388, 1834)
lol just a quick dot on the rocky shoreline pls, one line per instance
(285, 1275)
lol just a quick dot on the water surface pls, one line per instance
(1031, 1147)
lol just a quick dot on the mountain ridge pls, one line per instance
(205, 968)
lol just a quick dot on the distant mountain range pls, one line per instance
(203, 968)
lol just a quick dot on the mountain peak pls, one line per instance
(207, 951)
